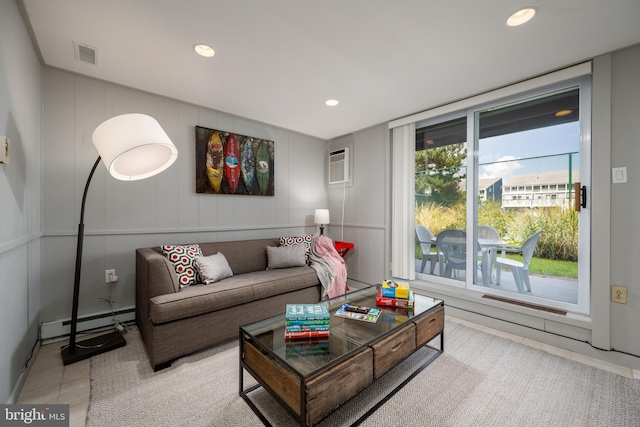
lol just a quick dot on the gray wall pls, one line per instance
(625, 198)
(20, 189)
(122, 216)
(366, 210)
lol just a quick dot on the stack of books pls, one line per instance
(307, 321)
(397, 294)
(317, 347)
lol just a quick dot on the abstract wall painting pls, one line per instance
(228, 163)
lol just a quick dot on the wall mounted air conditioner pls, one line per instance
(339, 166)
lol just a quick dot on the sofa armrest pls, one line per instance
(155, 275)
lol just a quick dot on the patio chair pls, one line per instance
(426, 240)
(453, 245)
(519, 269)
(489, 233)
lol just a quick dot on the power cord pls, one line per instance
(26, 364)
(117, 324)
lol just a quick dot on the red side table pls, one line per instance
(343, 247)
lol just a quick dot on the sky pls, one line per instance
(559, 139)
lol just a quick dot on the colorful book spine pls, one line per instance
(297, 328)
(395, 302)
(307, 322)
(307, 312)
(307, 334)
(304, 347)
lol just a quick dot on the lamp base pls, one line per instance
(92, 347)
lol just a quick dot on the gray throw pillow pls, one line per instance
(285, 256)
(213, 268)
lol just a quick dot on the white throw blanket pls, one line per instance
(329, 266)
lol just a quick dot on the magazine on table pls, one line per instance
(351, 311)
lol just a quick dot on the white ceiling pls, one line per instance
(277, 61)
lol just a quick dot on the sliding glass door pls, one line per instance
(505, 174)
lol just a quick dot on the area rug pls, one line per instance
(480, 380)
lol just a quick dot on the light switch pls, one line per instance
(619, 175)
(4, 149)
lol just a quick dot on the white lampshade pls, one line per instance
(322, 216)
(134, 146)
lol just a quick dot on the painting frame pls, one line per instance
(230, 163)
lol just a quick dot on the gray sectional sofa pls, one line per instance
(174, 322)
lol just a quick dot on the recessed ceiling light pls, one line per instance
(563, 113)
(521, 16)
(204, 50)
(331, 102)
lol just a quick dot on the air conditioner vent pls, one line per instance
(85, 53)
(339, 166)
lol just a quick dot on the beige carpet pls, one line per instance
(481, 380)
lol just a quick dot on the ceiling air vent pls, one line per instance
(85, 53)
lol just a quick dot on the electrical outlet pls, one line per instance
(108, 275)
(619, 294)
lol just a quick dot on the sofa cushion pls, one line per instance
(305, 241)
(233, 291)
(213, 268)
(183, 259)
(285, 256)
(244, 256)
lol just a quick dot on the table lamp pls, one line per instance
(321, 218)
(132, 147)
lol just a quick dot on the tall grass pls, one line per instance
(558, 240)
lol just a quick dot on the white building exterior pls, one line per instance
(543, 189)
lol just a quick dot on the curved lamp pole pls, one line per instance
(132, 147)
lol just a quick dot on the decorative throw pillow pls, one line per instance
(183, 259)
(285, 256)
(213, 268)
(305, 241)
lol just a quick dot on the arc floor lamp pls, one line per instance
(132, 147)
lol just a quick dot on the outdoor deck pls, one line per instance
(554, 288)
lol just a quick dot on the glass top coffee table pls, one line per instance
(311, 378)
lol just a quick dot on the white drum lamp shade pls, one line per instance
(134, 146)
(322, 218)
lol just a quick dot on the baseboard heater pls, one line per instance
(89, 322)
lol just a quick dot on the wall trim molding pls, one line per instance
(369, 226)
(20, 241)
(173, 230)
(195, 230)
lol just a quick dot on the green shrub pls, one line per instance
(558, 241)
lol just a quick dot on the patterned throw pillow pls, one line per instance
(184, 261)
(299, 240)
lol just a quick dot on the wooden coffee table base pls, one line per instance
(311, 398)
